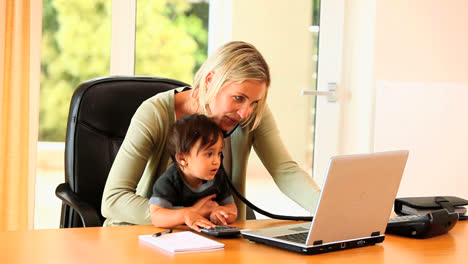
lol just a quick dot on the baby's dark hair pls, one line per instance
(186, 132)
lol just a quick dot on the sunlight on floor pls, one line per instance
(50, 173)
(262, 191)
(47, 210)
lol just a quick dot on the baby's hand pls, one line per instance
(195, 220)
(219, 216)
(205, 205)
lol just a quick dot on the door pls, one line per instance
(301, 41)
(327, 118)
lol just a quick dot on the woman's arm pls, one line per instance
(145, 135)
(290, 178)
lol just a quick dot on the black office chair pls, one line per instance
(100, 113)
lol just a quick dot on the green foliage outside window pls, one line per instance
(171, 41)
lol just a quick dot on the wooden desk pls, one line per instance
(120, 245)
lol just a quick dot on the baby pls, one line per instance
(193, 190)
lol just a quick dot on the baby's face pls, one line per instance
(204, 164)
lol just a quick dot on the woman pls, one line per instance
(231, 88)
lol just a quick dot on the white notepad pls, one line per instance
(182, 242)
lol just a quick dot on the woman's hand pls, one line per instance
(205, 205)
(195, 221)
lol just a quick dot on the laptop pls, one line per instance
(353, 209)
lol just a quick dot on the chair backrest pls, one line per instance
(100, 113)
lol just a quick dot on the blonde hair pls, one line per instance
(235, 61)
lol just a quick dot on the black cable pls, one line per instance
(265, 213)
(228, 133)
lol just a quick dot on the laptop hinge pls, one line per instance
(318, 242)
(375, 234)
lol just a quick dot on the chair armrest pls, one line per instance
(88, 214)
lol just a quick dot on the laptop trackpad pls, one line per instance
(299, 229)
(281, 230)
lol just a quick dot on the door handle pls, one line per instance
(330, 94)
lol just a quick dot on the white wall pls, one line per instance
(414, 43)
(356, 88)
(430, 120)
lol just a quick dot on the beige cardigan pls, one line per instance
(142, 158)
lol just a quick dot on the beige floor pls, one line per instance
(50, 173)
(261, 191)
(47, 209)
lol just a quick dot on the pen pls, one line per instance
(162, 233)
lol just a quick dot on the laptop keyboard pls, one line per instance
(297, 237)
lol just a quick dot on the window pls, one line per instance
(171, 38)
(75, 48)
(171, 41)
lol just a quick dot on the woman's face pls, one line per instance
(235, 102)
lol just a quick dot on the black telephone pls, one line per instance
(423, 226)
